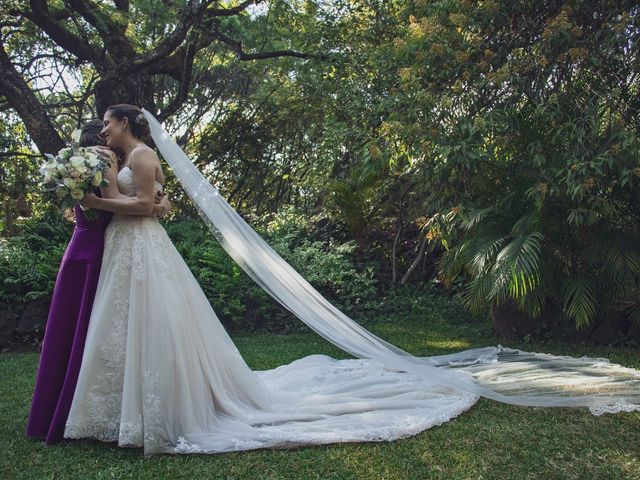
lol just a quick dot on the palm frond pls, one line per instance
(476, 217)
(476, 294)
(534, 301)
(580, 299)
(634, 313)
(525, 224)
(454, 260)
(486, 251)
(517, 265)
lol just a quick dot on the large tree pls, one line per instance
(122, 51)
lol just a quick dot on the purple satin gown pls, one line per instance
(66, 328)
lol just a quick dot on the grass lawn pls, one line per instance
(491, 440)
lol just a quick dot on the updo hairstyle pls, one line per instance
(137, 121)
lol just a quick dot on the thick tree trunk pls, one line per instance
(27, 106)
(136, 89)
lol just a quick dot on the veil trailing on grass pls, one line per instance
(502, 374)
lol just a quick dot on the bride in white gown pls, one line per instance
(159, 370)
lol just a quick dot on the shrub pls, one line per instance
(29, 262)
(242, 304)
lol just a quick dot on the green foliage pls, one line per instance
(241, 304)
(18, 170)
(237, 300)
(593, 278)
(506, 135)
(524, 121)
(330, 266)
(29, 262)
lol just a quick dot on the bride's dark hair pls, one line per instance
(137, 121)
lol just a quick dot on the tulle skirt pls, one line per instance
(160, 372)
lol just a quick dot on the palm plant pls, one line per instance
(507, 257)
(556, 235)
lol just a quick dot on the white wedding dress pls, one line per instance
(159, 370)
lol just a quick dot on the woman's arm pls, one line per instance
(143, 164)
(111, 176)
(162, 205)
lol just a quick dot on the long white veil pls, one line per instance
(502, 374)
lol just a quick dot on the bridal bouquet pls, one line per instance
(72, 172)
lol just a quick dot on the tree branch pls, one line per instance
(190, 13)
(20, 154)
(24, 102)
(422, 242)
(236, 47)
(228, 12)
(122, 5)
(41, 16)
(185, 81)
(111, 32)
(170, 65)
(396, 240)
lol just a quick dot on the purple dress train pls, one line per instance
(66, 328)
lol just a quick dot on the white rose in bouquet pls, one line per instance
(97, 179)
(65, 153)
(78, 163)
(70, 183)
(77, 194)
(48, 170)
(93, 160)
(72, 173)
(49, 166)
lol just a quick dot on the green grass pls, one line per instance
(491, 440)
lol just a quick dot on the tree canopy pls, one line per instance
(491, 147)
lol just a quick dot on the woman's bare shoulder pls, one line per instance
(143, 154)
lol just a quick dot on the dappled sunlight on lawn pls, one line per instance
(421, 341)
(625, 461)
(447, 344)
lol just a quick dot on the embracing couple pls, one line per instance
(134, 354)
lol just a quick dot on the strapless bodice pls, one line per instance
(126, 184)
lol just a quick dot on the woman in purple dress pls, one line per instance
(68, 318)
